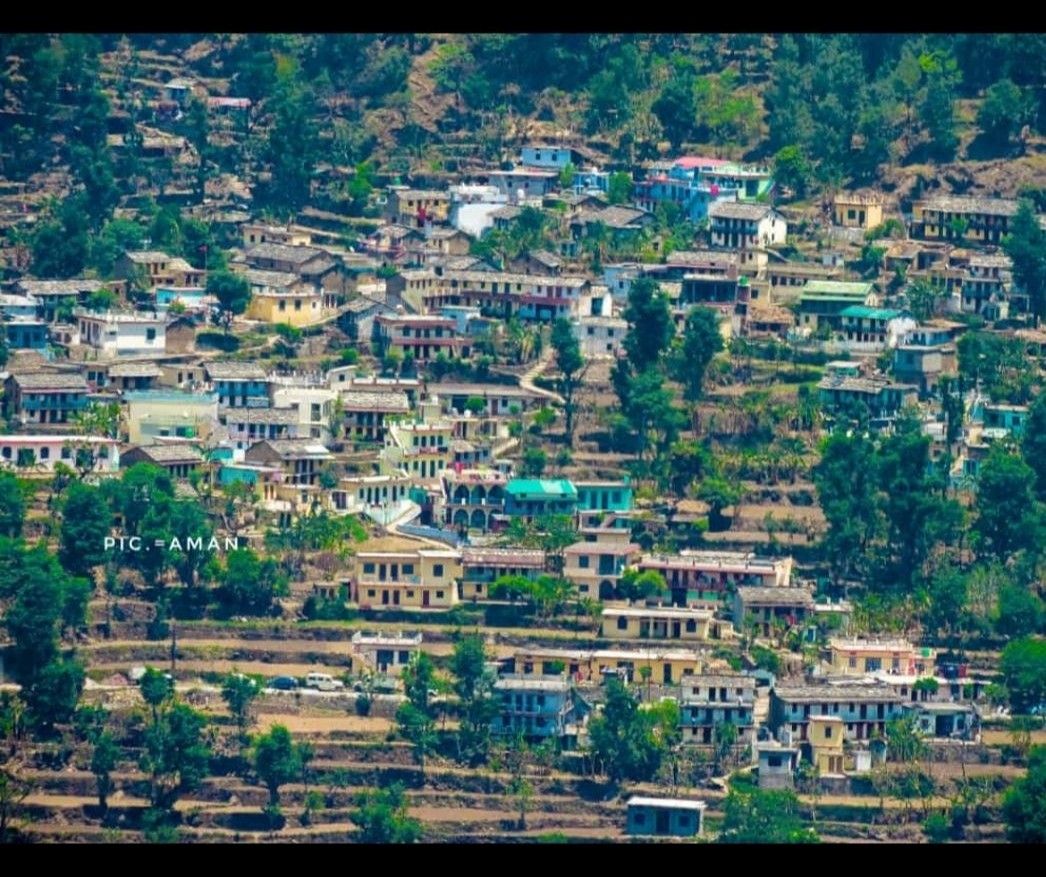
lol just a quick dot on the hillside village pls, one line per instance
(551, 494)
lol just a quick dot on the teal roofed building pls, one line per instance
(823, 301)
(536, 497)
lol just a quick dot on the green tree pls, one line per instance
(792, 169)
(534, 462)
(1023, 666)
(472, 684)
(649, 320)
(382, 817)
(764, 817)
(239, 692)
(12, 505)
(691, 357)
(277, 761)
(1026, 246)
(1002, 113)
(1004, 497)
(249, 583)
(570, 363)
(623, 737)
(620, 188)
(52, 695)
(1024, 805)
(415, 717)
(1033, 444)
(1020, 612)
(105, 756)
(175, 755)
(86, 522)
(233, 293)
(635, 585)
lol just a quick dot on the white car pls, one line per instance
(323, 682)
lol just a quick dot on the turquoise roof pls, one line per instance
(866, 313)
(836, 287)
(559, 488)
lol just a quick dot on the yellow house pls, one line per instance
(825, 739)
(666, 666)
(416, 578)
(668, 623)
(858, 657)
(413, 207)
(296, 306)
(254, 234)
(853, 210)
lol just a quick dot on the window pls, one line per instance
(828, 732)
(371, 593)
(691, 626)
(583, 561)
(773, 761)
(150, 334)
(439, 595)
(297, 304)
(368, 568)
(404, 656)
(283, 305)
(853, 662)
(684, 820)
(639, 818)
(410, 594)
(622, 623)
(66, 453)
(408, 569)
(7, 453)
(45, 453)
(437, 570)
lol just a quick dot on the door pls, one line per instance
(424, 598)
(668, 674)
(396, 598)
(384, 598)
(661, 822)
(675, 630)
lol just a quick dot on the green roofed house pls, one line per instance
(534, 498)
(872, 330)
(823, 301)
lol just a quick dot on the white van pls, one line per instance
(323, 682)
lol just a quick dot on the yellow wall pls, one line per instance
(873, 215)
(266, 308)
(611, 630)
(410, 596)
(591, 665)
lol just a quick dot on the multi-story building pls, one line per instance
(952, 217)
(414, 208)
(986, 286)
(239, 384)
(364, 412)
(842, 395)
(482, 566)
(113, 333)
(709, 575)
(282, 297)
(300, 460)
(249, 425)
(863, 709)
(421, 450)
(746, 227)
(415, 578)
(872, 330)
(697, 183)
(824, 744)
(532, 498)
(923, 366)
(822, 302)
(152, 268)
(711, 700)
(499, 401)
(41, 398)
(421, 337)
(472, 496)
(597, 562)
(155, 415)
(539, 709)
(765, 606)
(373, 495)
(660, 666)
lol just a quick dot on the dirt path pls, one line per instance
(996, 738)
(325, 724)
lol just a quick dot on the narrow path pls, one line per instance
(526, 380)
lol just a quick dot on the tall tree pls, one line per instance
(86, 522)
(1005, 505)
(1026, 246)
(1033, 444)
(472, 684)
(12, 505)
(570, 363)
(649, 320)
(277, 761)
(691, 357)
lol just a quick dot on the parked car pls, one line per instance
(283, 683)
(323, 682)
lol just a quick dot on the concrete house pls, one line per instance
(155, 415)
(710, 575)
(746, 227)
(282, 297)
(239, 384)
(777, 765)
(661, 623)
(859, 657)
(472, 496)
(597, 562)
(710, 700)
(873, 330)
(824, 744)
(864, 709)
(114, 334)
(364, 412)
(952, 217)
(945, 720)
(532, 498)
(822, 302)
(300, 460)
(482, 566)
(857, 210)
(421, 337)
(153, 268)
(383, 652)
(32, 454)
(764, 606)
(415, 578)
(665, 817)
(540, 709)
(51, 294)
(249, 425)
(414, 208)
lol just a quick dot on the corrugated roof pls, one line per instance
(541, 487)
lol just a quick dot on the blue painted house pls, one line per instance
(535, 498)
(239, 384)
(604, 496)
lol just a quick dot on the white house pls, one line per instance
(42, 452)
(119, 333)
(740, 226)
(600, 337)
